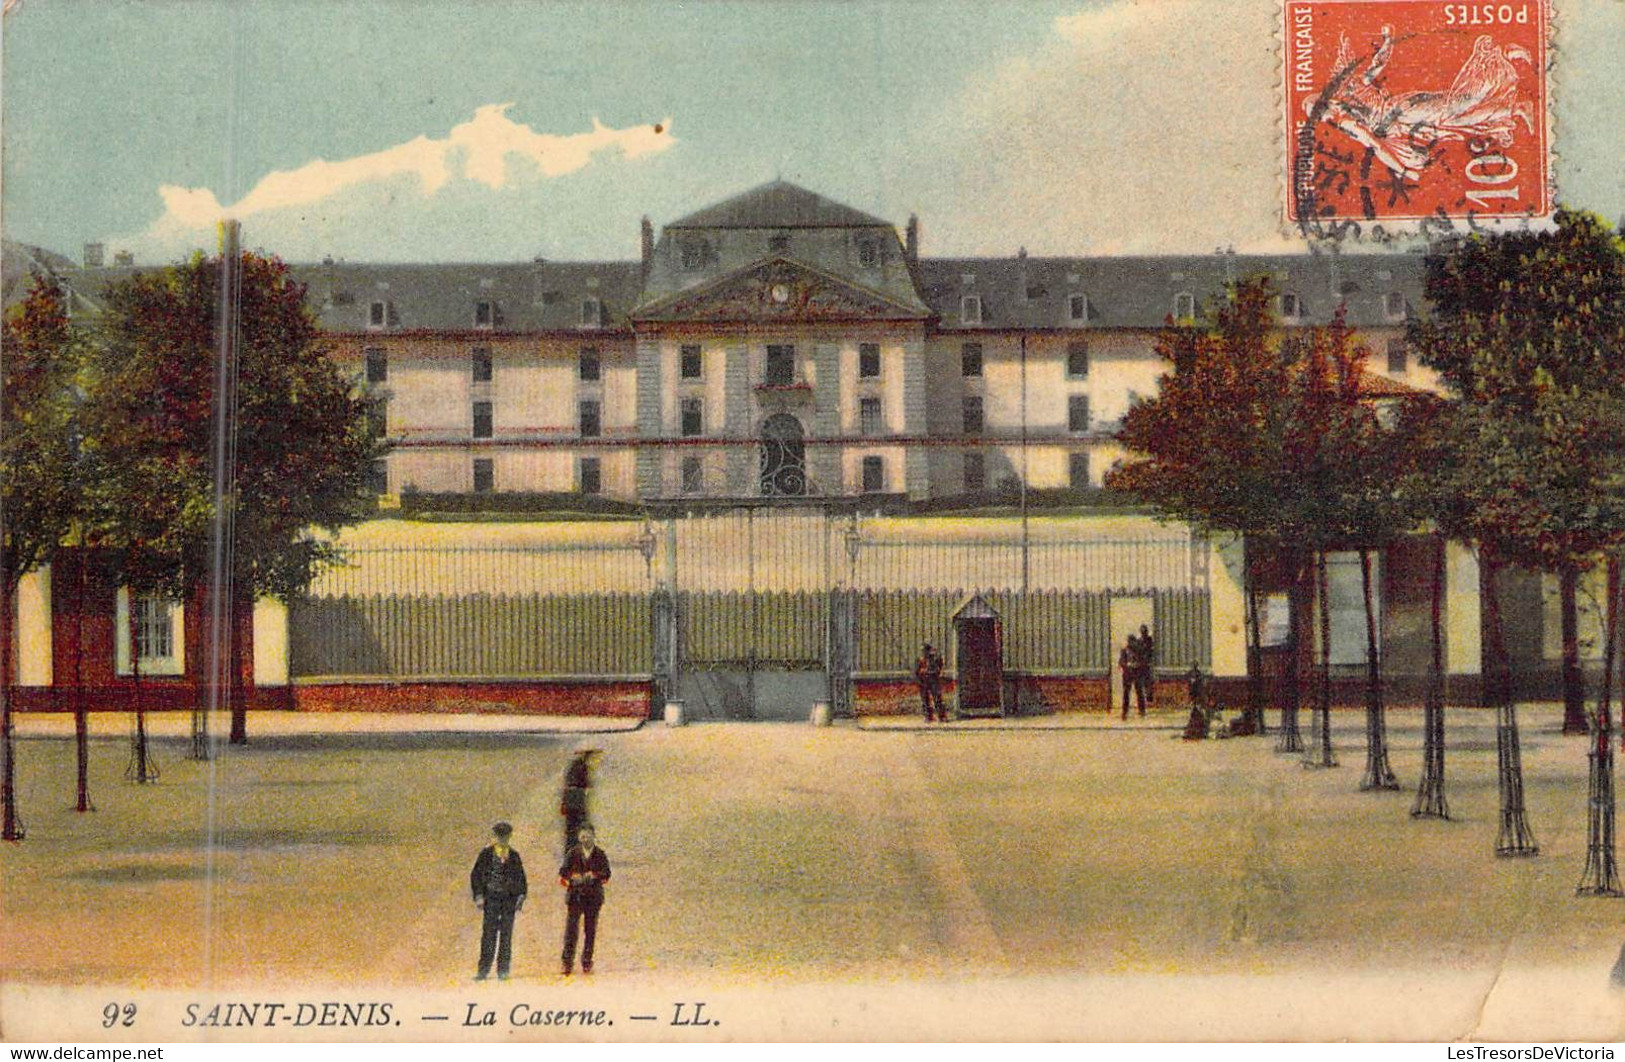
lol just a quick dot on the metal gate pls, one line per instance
(752, 589)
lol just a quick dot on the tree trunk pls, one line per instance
(1292, 696)
(81, 728)
(1430, 799)
(202, 748)
(13, 823)
(1255, 649)
(1601, 874)
(141, 770)
(1514, 837)
(239, 701)
(1574, 691)
(1378, 773)
(1320, 753)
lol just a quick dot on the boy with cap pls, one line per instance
(498, 884)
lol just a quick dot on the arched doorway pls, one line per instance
(784, 457)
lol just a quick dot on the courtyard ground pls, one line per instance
(1089, 881)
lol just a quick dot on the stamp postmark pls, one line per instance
(1414, 115)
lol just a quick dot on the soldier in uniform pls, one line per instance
(498, 884)
(928, 675)
(583, 874)
(1148, 668)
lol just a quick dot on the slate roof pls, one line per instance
(528, 296)
(1139, 292)
(778, 205)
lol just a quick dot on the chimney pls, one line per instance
(93, 255)
(123, 258)
(1021, 274)
(911, 239)
(648, 246)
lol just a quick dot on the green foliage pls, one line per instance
(39, 399)
(1528, 329)
(304, 438)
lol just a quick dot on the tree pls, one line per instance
(1527, 330)
(1267, 435)
(1213, 442)
(302, 440)
(37, 490)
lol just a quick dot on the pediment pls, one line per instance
(779, 289)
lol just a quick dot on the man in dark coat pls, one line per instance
(583, 874)
(498, 884)
(928, 676)
(1148, 668)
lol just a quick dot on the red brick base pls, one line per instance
(627, 700)
(157, 695)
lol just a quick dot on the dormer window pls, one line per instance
(379, 314)
(1077, 309)
(1291, 306)
(778, 243)
(1393, 305)
(1184, 306)
(868, 254)
(485, 314)
(592, 313)
(970, 309)
(691, 253)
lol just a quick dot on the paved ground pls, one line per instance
(1123, 860)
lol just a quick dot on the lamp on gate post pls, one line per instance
(646, 546)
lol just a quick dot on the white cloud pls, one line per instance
(489, 163)
(1137, 127)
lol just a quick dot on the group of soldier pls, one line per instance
(499, 885)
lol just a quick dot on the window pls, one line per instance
(484, 475)
(1077, 308)
(691, 253)
(868, 254)
(970, 359)
(377, 365)
(1077, 359)
(779, 243)
(482, 364)
(1077, 468)
(379, 314)
(1184, 306)
(781, 366)
(1291, 306)
(1399, 355)
(692, 367)
(378, 477)
(870, 418)
(592, 313)
(159, 634)
(693, 417)
(154, 628)
(591, 420)
(1077, 413)
(1393, 304)
(971, 415)
(874, 475)
(970, 309)
(693, 476)
(975, 472)
(591, 476)
(482, 420)
(868, 360)
(589, 367)
(485, 314)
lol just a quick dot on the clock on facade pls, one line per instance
(781, 293)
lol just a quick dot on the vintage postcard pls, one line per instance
(758, 520)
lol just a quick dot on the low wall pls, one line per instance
(621, 699)
(157, 695)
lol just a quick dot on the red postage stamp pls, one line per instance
(1403, 111)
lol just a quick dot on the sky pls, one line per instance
(405, 130)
